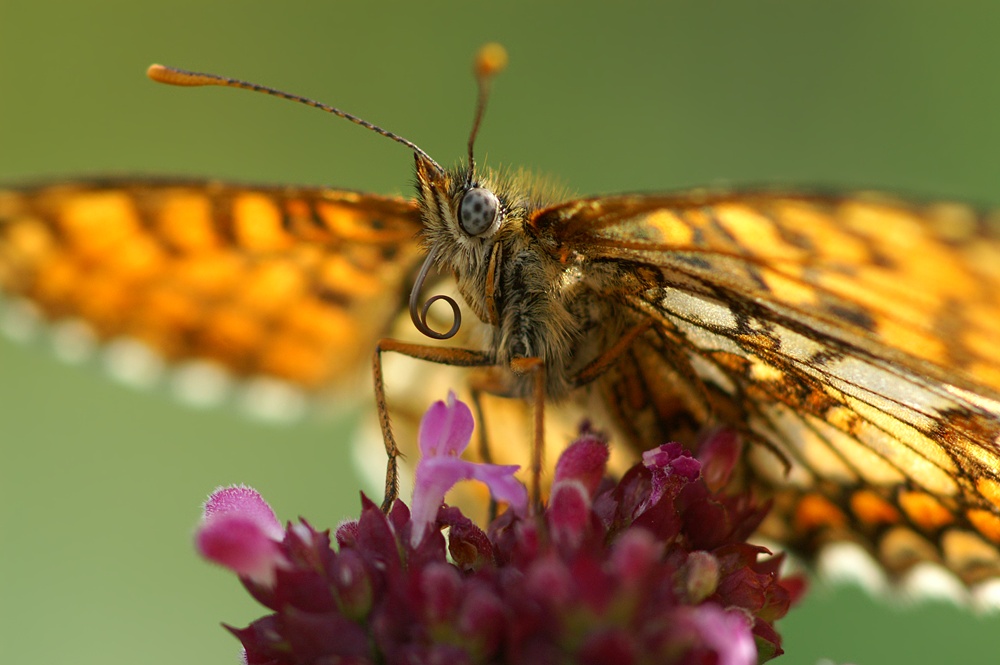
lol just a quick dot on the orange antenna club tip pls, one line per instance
(172, 76)
(491, 59)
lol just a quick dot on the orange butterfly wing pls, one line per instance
(292, 283)
(856, 338)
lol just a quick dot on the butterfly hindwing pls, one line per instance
(853, 339)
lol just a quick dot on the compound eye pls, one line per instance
(479, 212)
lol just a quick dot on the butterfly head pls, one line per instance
(463, 218)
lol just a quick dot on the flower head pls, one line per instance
(652, 568)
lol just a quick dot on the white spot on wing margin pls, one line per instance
(271, 400)
(849, 563)
(201, 384)
(19, 320)
(133, 363)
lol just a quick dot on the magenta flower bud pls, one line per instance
(352, 585)
(246, 502)
(481, 621)
(701, 576)
(718, 455)
(470, 547)
(347, 533)
(551, 579)
(583, 461)
(569, 513)
(441, 586)
(634, 556)
(609, 646)
(671, 466)
(673, 459)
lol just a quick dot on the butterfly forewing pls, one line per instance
(856, 339)
(292, 283)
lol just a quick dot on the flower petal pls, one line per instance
(725, 633)
(240, 531)
(445, 431)
(584, 460)
(446, 428)
(434, 477)
(238, 543)
(244, 501)
(504, 487)
(568, 513)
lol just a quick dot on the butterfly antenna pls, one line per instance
(490, 61)
(184, 78)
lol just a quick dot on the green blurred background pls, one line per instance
(100, 485)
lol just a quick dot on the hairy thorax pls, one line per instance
(532, 304)
(546, 310)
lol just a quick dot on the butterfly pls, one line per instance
(852, 339)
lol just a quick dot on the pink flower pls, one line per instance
(651, 568)
(715, 634)
(445, 432)
(239, 531)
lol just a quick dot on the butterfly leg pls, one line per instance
(479, 384)
(602, 363)
(444, 356)
(536, 367)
